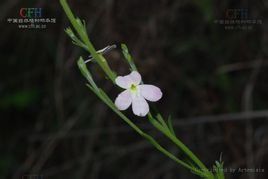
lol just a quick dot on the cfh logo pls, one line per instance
(236, 14)
(31, 12)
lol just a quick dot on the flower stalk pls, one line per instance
(194, 164)
(104, 97)
(80, 29)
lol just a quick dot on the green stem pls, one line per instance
(177, 142)
(83, 36)
(81, 31)
(163, 128)
(103, 96)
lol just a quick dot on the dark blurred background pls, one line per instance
(213, 76)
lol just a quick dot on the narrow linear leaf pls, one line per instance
(170, 125)
(161, 120)
(83, 68)
(128, 57)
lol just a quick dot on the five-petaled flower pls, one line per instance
(135, 94)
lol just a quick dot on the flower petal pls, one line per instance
(140, 106)
(123, 100)
(126, 81)
(123, 82)
(150, 92)
(135, 77)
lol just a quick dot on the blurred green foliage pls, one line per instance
(19, 99)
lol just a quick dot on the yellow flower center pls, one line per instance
(133, 88)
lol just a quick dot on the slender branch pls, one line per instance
(108, 102)
(80, 29)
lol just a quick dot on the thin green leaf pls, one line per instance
(170, 125)
(157, 124)
(128, 57)
(83, 68)
(161, 120)
(218, 169)
(104, 97)
(81, 31)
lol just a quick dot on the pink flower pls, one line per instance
(136, 94)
